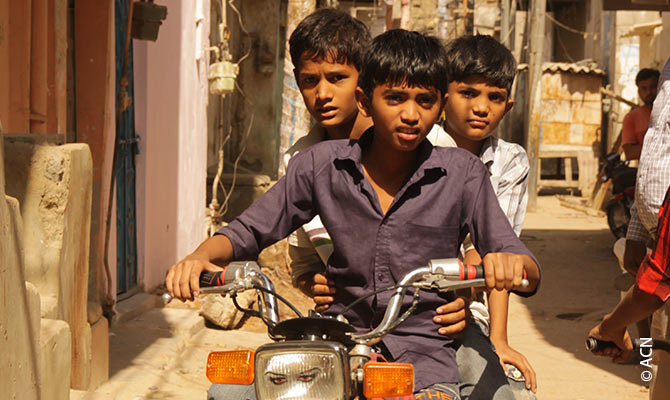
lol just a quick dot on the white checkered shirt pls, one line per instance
(508, 170)
(653, 173)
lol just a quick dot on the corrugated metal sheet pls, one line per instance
(575, 68)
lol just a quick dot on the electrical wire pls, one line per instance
(246, 32)
(245, 141)
(283, 300)
(223, 208)
(573, 30)
(565, 50)
(358, 300)
(404, 316)
(255, 313)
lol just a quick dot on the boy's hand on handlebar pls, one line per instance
(453, 316)
(620, 337)
(319, 288)
(183, 278)
(503, 270)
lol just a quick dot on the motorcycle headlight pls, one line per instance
(302, 370)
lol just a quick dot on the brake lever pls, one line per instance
(226, 289)
(439, 283)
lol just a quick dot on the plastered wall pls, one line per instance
(170, 115)
(50, 212)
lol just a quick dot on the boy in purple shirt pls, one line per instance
(410, 202)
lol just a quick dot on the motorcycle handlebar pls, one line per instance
(439, 274)
(596, 345)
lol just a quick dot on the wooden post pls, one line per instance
(4, 65)
(504, 22)
(532, 123)
(19, 32)
(38, 67)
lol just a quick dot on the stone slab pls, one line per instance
(18, 342)
(99, 353)
(53, 185)
(87, 395)
(33, 302)
(55, 349)
(81, 359)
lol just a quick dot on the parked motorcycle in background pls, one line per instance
(623, 191)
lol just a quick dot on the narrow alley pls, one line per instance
(132, 130)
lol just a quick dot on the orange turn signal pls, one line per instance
(388, 379)
(231, 367)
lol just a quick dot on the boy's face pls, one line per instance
(329, 91)
(474, 108)
(402, 115)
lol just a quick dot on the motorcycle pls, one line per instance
(319, 357)
(623, 191)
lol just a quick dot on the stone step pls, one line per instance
(133, 306)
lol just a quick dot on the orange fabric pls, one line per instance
(635, 125)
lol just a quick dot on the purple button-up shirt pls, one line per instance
(447, 196)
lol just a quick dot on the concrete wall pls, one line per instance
(295, 120)
(53, 186)
(170, 117)
(260, 78)
(625, 63)
(37, 353)
(570, 46)
(665, 37)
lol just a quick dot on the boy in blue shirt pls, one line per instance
(410, 202)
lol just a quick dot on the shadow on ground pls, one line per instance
(577, 290)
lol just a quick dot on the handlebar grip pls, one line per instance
(225, 276)
(593, 345)
(208, 278)
(468, 272)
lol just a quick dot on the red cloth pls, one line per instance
(654, 274)
(635, 125)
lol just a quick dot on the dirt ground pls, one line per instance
(575, 251)
(162, 353)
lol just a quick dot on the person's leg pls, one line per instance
(481, 376)
(231, 392)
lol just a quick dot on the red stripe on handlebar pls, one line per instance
(472, 272)
(212, 278)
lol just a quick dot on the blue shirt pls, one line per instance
(447, 196)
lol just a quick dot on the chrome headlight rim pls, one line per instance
(306, 346)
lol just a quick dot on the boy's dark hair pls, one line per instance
(480, 55)
(401, 57)
(646, 73)
(329, 33)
